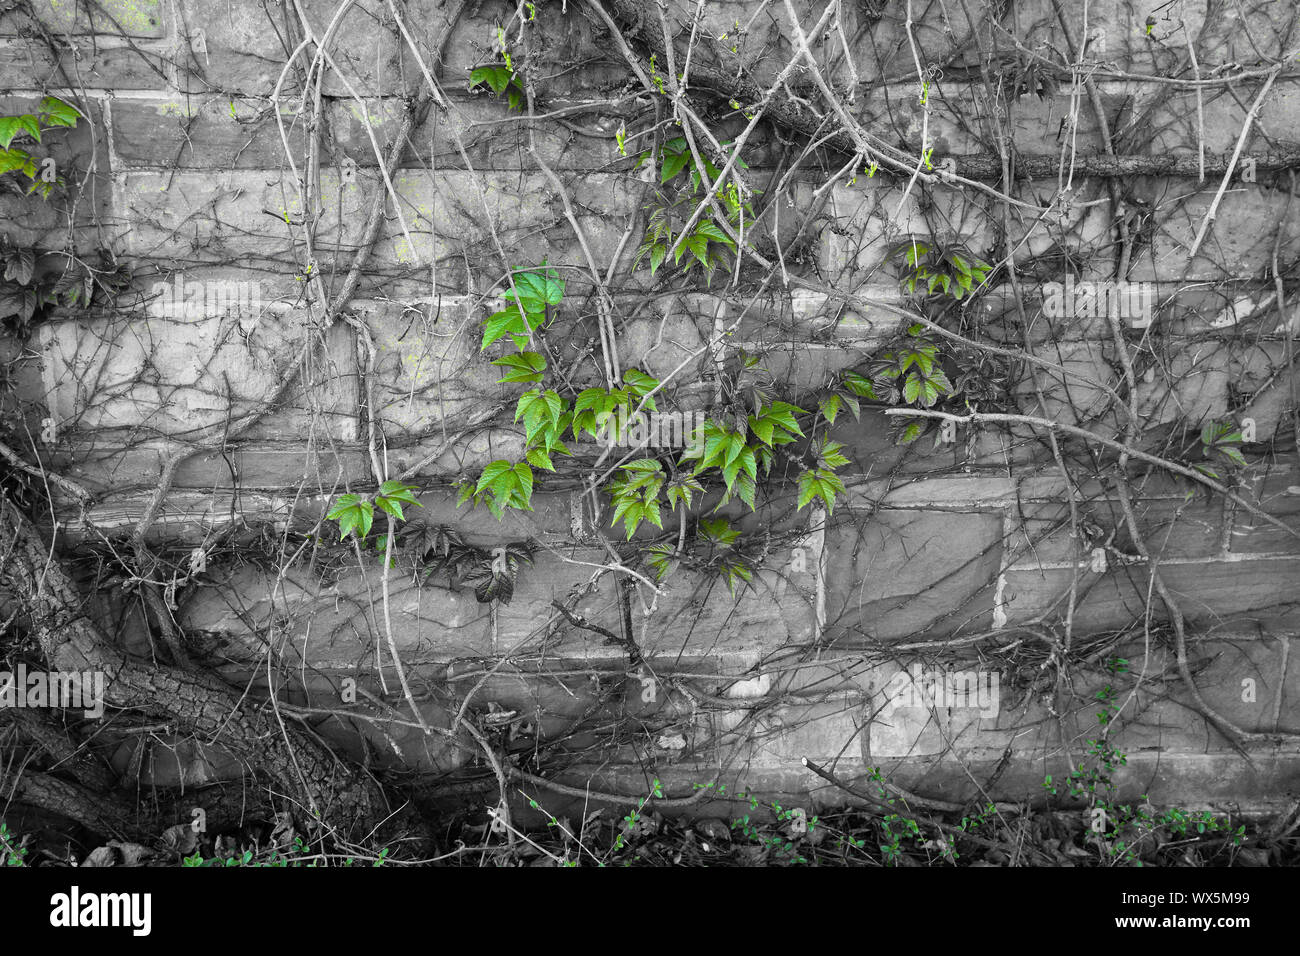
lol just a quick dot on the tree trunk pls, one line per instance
(278, 752)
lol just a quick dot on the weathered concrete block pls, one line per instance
(1117, 34)
(1239, 593)
(240, 215)
(491, 135)
(1192, 528)
(134, 18)
(1188, 384)
(920, 710)
(243, 47)
(337, 625)
(98, 64)
(824, 732)
(1076, 396)
(202, 132)
(428, 373)
(188, 371)
(1277, 492)
(451, 216)
(1234, 245)
(899, 573)
(660, 342)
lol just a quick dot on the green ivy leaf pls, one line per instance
(491, 473)
(509, 321)
(657, 253)
(718, 531)
(525, 367)
(58, 112)
(829, 407)
(539, 459)
(496, 77)
(911, 433)
(17, 159)
(536, 290)
(11, 126)
(673, 164)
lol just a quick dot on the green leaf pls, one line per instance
(657, 253)
(58, 112)
(17, 159)
(762, 428)
(491, 473)
(710, 230)
(718, 531)
(11, 126)
(344, 504)
(783, 414)
(735, 445)
(537, 290)
(859, 385)
(643, 465)
(911, 433)
(632, 513)
(682, 489)
(539, 409)
(747, 463)
(390, 506)
(829, 454)
(589, 398)
(638, 382)
(496, 77)
(525, 367)
(819, 483)
(525, 476)
(398, 491)
(539, 459)
(809, 488)
(509, 321)
(554, 406)
(660, 558)
(730, 470)
(746, 485)
(829, 408)
(367, 515)
(1234, 455)
(674, 163)
(715, 446)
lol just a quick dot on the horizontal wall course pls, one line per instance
(898, 573)
(125, 18)
(1242, 594)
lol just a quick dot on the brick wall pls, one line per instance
(951, 555)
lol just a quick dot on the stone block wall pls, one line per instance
(954, 556)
